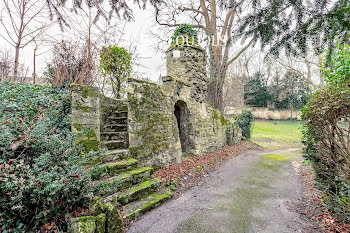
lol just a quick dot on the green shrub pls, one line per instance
(41, 177)
(326, 134)
(185, 30)
(337, 71)
(245, 121)
(115, 66)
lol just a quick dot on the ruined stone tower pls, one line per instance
(186, 64)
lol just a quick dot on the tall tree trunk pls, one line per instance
(15, 69)
(34, 66)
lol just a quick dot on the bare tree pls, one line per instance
(307, 68)
(6, 63)
(23, 74)
(217, 20)
(22, 21)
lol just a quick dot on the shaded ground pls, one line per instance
(275, 134)
(254, 192)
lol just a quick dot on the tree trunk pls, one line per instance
(34, 66)
(15, 69)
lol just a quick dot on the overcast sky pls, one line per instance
(154, 65)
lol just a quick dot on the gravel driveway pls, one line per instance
(253, 192)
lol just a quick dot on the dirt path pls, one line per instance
(254, 192)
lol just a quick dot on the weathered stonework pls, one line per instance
(158, 123)
(155, 126)
(166, 121)
(86, 115)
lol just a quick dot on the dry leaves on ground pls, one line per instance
(193, 168)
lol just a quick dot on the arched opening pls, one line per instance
(181, 113)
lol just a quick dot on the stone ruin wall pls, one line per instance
(153, 128)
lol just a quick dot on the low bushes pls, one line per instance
(245, 121)
(41, 179)
(327, 134)
(327, 137)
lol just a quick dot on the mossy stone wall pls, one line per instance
(153, 131)
(153, 127)
(86, 115)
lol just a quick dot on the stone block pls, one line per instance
(84, 224)
(100, 221)
(114, 220)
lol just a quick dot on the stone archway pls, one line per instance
(181, 113)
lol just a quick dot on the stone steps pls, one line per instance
(117, 114)
(116, 144)
(111, 185)
(112, 128)
(144, 205)
(109, 156)
(112, 168)
(110, 136)
(134, 193)
(117, 179)
(116, 120)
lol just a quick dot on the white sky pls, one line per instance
(154, 65)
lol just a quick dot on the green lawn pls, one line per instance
(278, 134)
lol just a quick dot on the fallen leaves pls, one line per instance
(78, 212)
(198, 164)
(314, 210)
(48, 226)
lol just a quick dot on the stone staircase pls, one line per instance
(117, 178)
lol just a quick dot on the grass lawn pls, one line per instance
(277, 134)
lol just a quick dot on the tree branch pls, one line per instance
(240, 52)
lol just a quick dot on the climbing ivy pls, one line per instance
(183, 30)
(337, 71)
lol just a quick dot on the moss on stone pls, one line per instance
(115, 222)
(90, 145)
(77, 127)
(100, 221)
(96, 207)
(140, 170)
(84, 108)
(118, 167)
(121, 164)
(135, 192)
(88, 91)
(107, 187)
(155, 200)
(84, 224)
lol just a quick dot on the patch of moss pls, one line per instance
(122, 164)
(140, 170)
(84, 108)
(100, 221)
(106, 187)
(155, 200)
(281, 157)
(77, 127)
(84, 224)
(135, 191)
(90, 144)
(88, 91)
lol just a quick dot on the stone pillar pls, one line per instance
(85, 117)
(186, 64)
